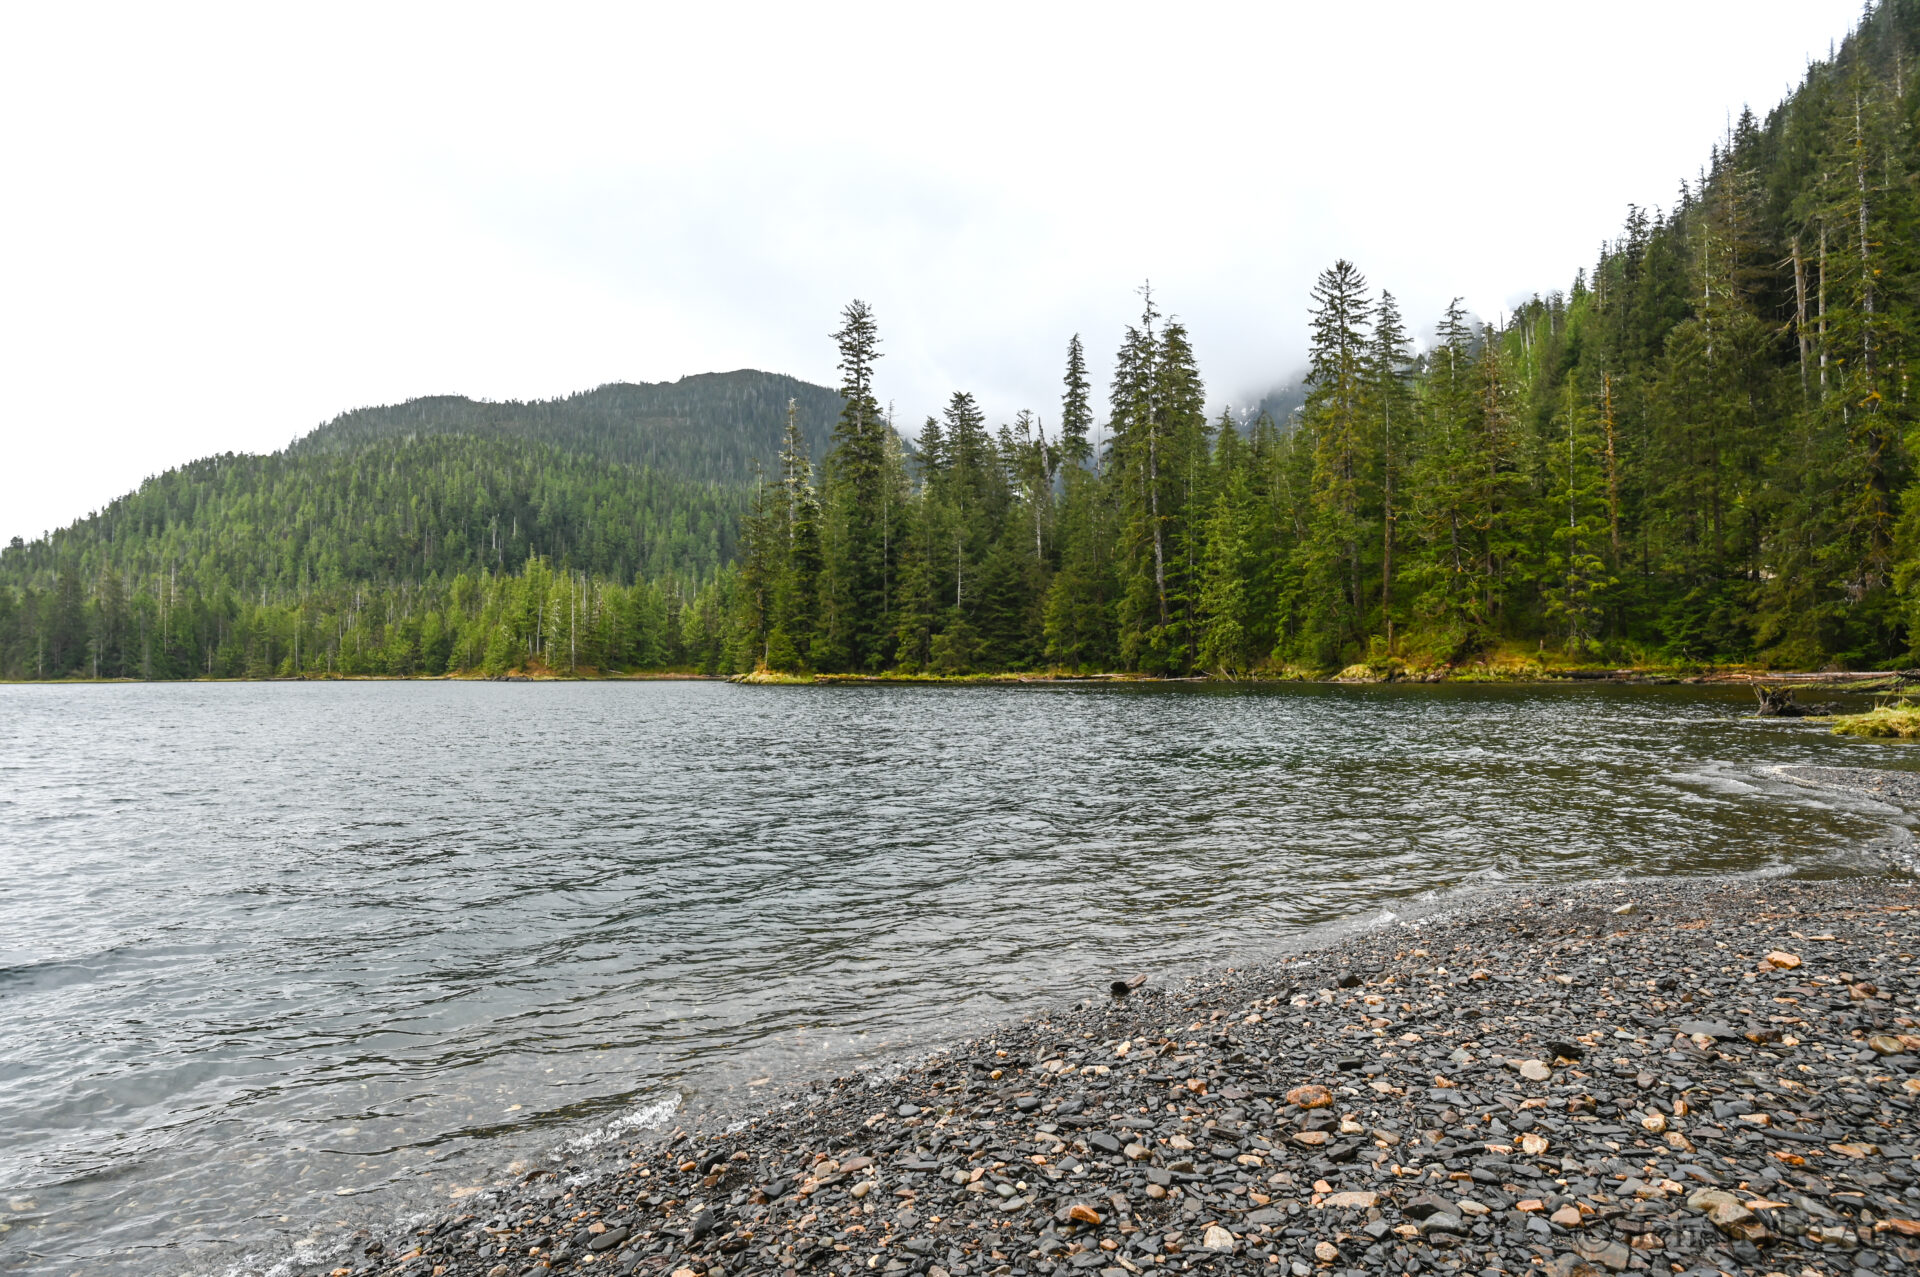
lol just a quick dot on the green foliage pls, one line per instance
(1883, 722)
(711, 428)
(402, 509)
(1698, 453)
(865, 488)
(535, 620)
(350, 550)
(1701, 452)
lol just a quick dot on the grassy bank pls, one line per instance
(1883, 722)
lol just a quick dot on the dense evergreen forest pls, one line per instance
(712, 428)
(389, 542)
(1701, 451)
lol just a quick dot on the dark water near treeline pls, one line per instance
(279, 958)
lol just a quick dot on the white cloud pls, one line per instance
(222, 228)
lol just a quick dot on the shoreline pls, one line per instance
(1862, 682)
(650, 676)
(1808, 681)
(1532, 1080)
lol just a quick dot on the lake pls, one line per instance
(277, 960)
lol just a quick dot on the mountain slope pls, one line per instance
(393, 510)
(714, 427)
(400, 539)
(619, 481)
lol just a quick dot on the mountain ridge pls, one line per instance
(713, 426)
(672, 463)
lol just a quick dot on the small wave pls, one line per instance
(1718, 782)
(655, 1114)
(43, 968)
(306, 1254)
(23, 959)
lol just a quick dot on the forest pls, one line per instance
(710, 428)
(398, 555)
(1700, 452)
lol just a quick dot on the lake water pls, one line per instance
(279, 960)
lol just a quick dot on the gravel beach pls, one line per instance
(1663, 1077)
(1901, 789)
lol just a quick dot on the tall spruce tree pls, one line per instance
(1389, 401)
(1336, 419)
(1078, 613)
(861, 484)
(1076, 407)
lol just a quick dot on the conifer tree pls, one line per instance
(794, 619)
(862, 480)
(1137, 440)
(1577, 578)
(1077, 615)
(1236, 574)
(1501, 512)
(1390, 404)
(1337, 419)
(1449, 575)
(1076, 408)
(1187, 473)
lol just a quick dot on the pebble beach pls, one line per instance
(1625, 1077)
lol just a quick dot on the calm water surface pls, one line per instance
(276, 959)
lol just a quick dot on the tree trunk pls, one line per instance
(1800, 312)
(1613, 469)
(1386, 524)
(1153, 504)
(1821, 323)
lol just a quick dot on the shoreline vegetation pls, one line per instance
(1639, 1076)
(1519, 673)
(1678, 459)
(1882, 722)
(1698, 452)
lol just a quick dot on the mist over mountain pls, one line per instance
(1701, 449)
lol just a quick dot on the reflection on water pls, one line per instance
(278, 957)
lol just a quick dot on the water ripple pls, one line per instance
(278, 958)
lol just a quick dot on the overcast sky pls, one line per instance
(222, 227)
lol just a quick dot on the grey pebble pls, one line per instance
(1416, 1032)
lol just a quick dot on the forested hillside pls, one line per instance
(396, 510)
(1698, 452)
(714, 427)
(383, 541)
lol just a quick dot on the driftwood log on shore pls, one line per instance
(1646, 1077)
(1779, 702)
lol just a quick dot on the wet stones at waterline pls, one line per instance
(1720, 1080)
